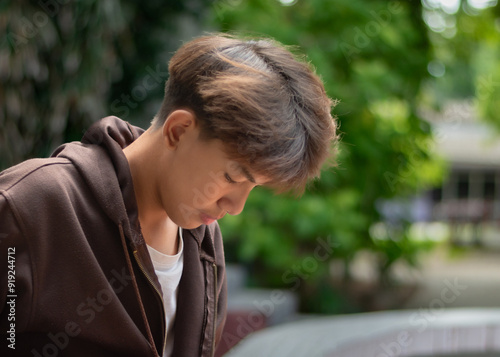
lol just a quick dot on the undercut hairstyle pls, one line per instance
(266, 105)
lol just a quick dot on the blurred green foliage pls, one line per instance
(373, 57)
(469, 50)
(66, 64)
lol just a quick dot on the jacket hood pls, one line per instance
(98, 154)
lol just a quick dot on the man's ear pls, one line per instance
(177, 125)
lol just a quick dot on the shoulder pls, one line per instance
(30, 173)
(30, 192)
(41, 188)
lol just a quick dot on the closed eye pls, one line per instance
(228, 178)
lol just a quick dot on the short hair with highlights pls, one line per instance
(265, 104)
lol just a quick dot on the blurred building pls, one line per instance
(469, 198)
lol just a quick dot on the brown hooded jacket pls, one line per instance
(84, 284)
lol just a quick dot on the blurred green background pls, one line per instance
(66, 64)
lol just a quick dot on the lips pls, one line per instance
(207, 219)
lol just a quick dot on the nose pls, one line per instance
(234, 202)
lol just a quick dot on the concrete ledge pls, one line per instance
(380, 334)
(275, 306)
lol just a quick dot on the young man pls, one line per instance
(114, 240)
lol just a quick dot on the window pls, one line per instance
(489, 186)
(463, 185)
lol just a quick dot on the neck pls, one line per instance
(158, 230)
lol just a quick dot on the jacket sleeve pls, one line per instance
(16, 289)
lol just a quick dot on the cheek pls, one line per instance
(197, 187)
(206, 189)
(180, 207)
(193, 194)
(211, 191)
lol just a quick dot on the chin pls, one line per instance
(185, 221)
(189, 225)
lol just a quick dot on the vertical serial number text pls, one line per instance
(11, 296)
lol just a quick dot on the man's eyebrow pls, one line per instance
(247, 174)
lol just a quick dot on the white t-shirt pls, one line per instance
(168, 268)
